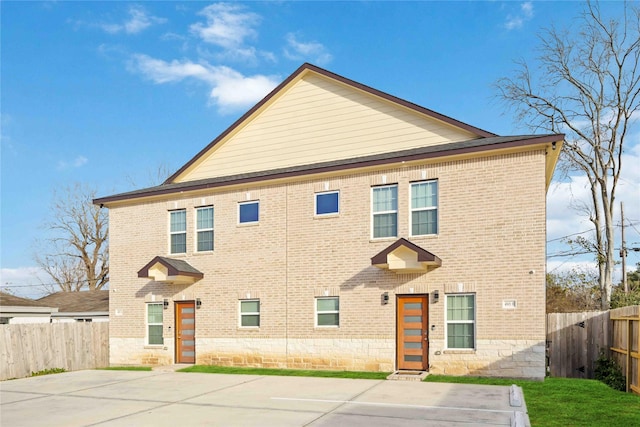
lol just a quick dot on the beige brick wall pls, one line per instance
(491, 242)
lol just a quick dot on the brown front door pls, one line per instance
(185, 332)
(412, 337)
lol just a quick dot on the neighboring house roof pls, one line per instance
(13, 306)
(14, 301)
(78, 302)
(450, 137)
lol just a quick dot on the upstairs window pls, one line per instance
(424, 208)
(385, 211)
(204, 229)
(178, 231)
(250, 313)
(248, 212)
(327, 203)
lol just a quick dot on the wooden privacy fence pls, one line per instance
(625, 346)
(28, 348)
(576, 340)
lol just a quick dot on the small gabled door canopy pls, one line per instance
(406, 257)
(170, 271)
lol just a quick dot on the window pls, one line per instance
(248, 212)
(424, 208)
(250, 313)
(178, 231)
(328, 311)
(385, 211)
(4, 320)
(461, 321)
(204, 229)
(154, 324)
(327, 203)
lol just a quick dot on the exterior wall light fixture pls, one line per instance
(165, 304)
(385, 298)
(198, 303)
(436, 296)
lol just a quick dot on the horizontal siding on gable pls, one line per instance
(320, 120)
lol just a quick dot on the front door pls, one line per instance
(185, 332)
(412, 337)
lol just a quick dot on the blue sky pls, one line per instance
(104, 93)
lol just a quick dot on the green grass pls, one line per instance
(212, 369)
(127, 368)
(567, 401)
(48, 372)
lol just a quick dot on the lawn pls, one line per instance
(211, 369)
(567, 401)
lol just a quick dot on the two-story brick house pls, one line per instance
(334, 226)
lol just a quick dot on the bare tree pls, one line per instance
(76, 256)
(586, 86)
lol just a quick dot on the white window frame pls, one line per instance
(447, 321)
(324, 193)
(412, 209)
(147, 323)
(257, 202)
(317, 312)
(198, 230)
(249, 313)
(172, 233)
(373, 214)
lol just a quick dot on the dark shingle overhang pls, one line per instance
(169, 270)
(403, 256)
(415, 154)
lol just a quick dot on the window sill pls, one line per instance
(248, 328)
(248, 224)
(383, 239)
(155, 347)
(324, 328)
(459, 351)
(329, 215)
(203, 253)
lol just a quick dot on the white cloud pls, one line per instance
(138, 21)
(77, 162)
(311, 51)
(24, 282)
(227, 26)
(230, 90)
(515, 21)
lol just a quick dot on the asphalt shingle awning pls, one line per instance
(170, 270)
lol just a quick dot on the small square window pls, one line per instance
(248, 212)
(328, 311)
(327, 203)
(250, 313)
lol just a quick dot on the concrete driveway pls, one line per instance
(127, 398)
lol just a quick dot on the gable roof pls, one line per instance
(78, 302)
(237, 156)
(9, 300)
(305, 69)
(175, 267)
